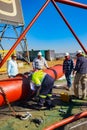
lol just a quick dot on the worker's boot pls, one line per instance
(40, 104)
(37, 107)
(48, 103)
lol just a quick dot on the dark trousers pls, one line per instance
(68, 79)
(46, 90)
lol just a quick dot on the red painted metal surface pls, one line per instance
(69, 2)
(72, 3)
(56, 72)
(14, 89)
(72, 31)
(23, 34)
(66, 121)
(18, 88)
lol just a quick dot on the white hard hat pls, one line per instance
(39, 53)
(66, 54)
(78, 52)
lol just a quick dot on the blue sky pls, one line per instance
(49, 31)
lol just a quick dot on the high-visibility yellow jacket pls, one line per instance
(37, 77)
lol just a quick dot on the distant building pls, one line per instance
(50, 55)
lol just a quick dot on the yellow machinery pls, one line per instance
(2, 54)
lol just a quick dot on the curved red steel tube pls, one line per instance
(18, 88)
(72, 3)
(66, 121)
(55, 71)
(72, 31)
(14, 89)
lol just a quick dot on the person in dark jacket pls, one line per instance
(68, 67)
(80, 72)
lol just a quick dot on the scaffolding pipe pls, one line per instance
(61, 14)
(23, 34)
(66, 121)
(72, 3)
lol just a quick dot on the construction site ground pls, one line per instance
(62, 109)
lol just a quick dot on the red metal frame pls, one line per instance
(69, 2)
(72, 3)
(61, 14)
(23, 34)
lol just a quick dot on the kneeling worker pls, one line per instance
(44, 83)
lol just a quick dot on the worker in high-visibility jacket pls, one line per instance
(44, 83)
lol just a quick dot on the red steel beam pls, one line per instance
(24, 33)
(61, 14)
(72, 3)
(66, 121)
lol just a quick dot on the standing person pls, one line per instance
(68, 67)
(80, 72)
(12, 67)
(39, 62)
(44, 84)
